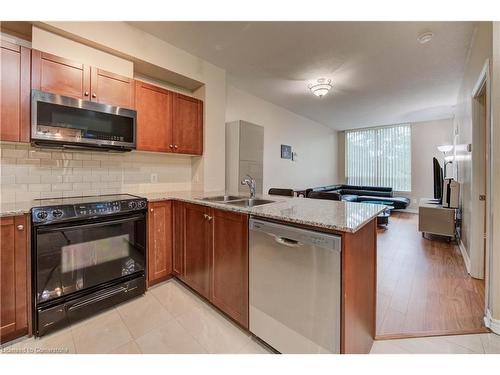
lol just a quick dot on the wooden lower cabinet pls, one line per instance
(196, 248)
(359, 289)
(178, 238)
(214, 256)
(229, 291)
(159, 242)
(14, 283)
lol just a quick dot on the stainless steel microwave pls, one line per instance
(62, 121)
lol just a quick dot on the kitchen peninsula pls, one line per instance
(355, 223)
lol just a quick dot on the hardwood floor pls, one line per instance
(423, 288)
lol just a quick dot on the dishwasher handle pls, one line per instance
(286, 241)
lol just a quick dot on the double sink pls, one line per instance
(235, 200)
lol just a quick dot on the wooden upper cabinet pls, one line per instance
(60, 76)
(166, 121)
(112, 89)
(188, 125)
(196, 248)
(15, 93)
(154, 118)
(229, 290)
(159, 241)
(13, 278)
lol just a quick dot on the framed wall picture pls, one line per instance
(286, 152)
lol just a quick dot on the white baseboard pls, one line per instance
(465, 256)
(493, 324)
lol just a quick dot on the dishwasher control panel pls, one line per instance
(287, 234)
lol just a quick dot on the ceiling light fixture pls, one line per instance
(322, 87)
(425, 37)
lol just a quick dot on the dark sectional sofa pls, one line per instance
(353, 193)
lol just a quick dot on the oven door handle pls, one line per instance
(98, 298)
(92, 225)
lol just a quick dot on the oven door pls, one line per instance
(78, 256)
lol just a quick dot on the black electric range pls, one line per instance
(88, 254)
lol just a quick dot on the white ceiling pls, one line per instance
(381, 74)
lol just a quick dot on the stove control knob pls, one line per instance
(141, 204)
(57, 213)
(42, 215)
(132, 205)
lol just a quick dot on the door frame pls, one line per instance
(480, 255)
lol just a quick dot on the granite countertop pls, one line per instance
(333, 215)
(15, 208)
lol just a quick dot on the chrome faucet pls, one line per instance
(248, 180)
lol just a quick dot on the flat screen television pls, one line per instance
(438, 180)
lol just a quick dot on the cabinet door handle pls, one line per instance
(171, 146)
(151, 209)
(175, 146)
(86, 93)
(94, 95)
(20, 227)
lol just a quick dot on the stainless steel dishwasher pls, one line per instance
(294, 278)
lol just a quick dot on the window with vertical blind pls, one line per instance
(379, 157)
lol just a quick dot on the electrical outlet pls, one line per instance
(154, 178)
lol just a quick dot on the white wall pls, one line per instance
(315, 144)
(493, 296)
(480, 51)
(425, 137)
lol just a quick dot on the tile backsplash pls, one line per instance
(29, 172)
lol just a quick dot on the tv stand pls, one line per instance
(433, 218)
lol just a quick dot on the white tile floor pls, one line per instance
(171, 319)
(167, 319)
(484, 343)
